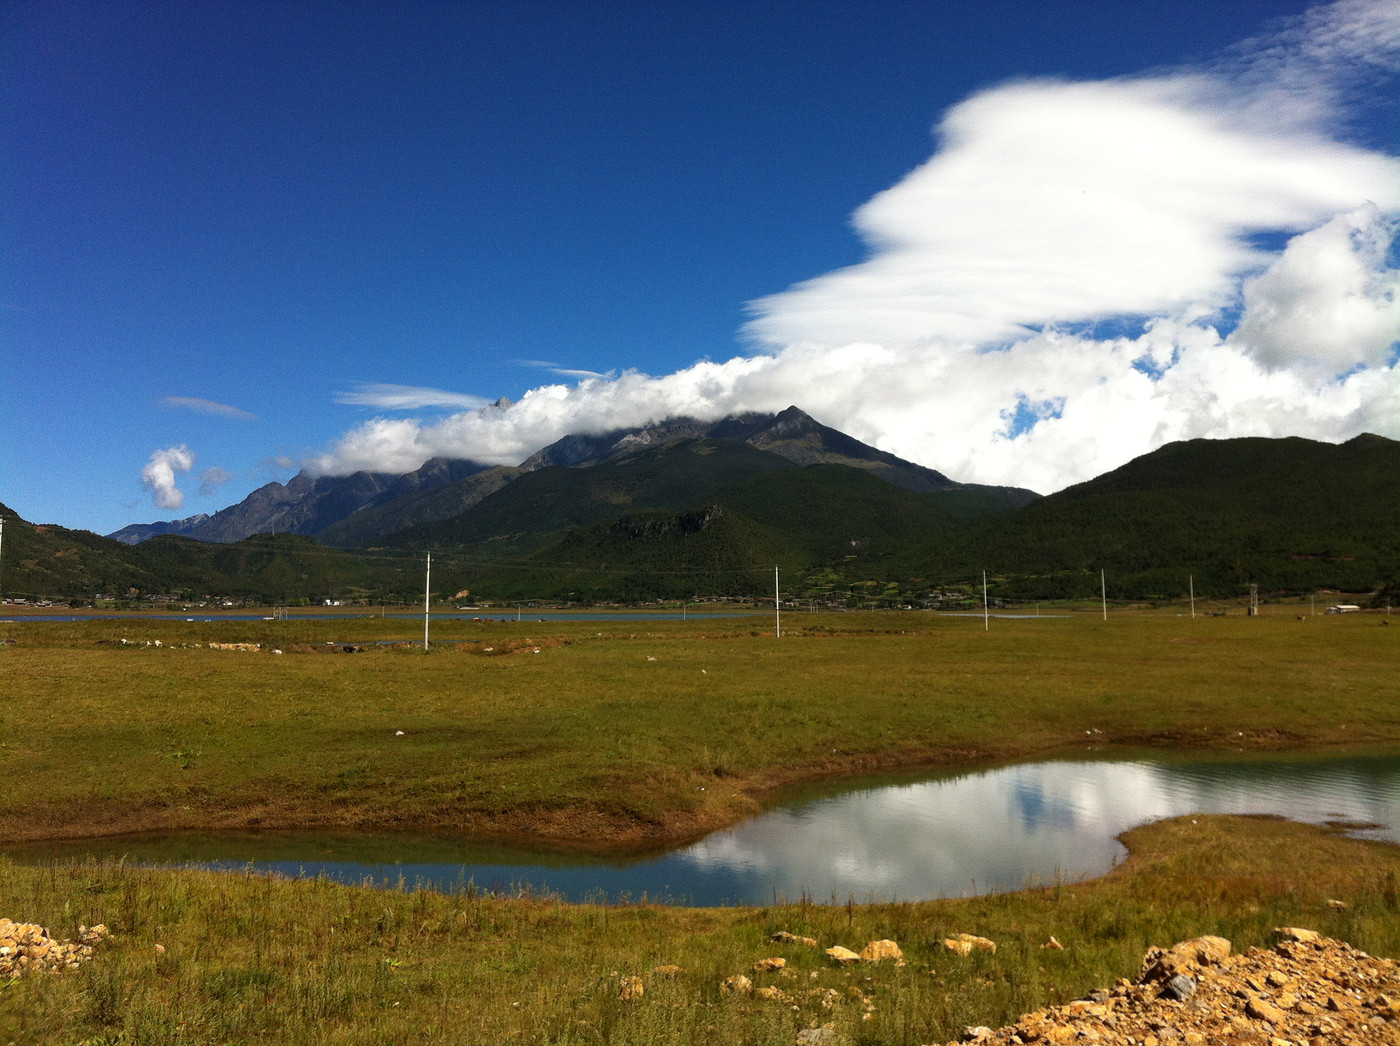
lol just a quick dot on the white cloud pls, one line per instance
(564, 372)
(1065, 202)
(203, 406)
(501, 434)
(1328, 300)
(1321, 54)
(406, 397)
(972, 338)
(211, 479)
(159, 475)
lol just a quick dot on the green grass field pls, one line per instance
(606, 737)
(629, 733)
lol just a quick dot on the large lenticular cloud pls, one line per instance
(1074, 278)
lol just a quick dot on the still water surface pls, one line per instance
(954, 835)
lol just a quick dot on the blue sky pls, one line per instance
(241, 238)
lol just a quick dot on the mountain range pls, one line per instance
(346, 511)
(687, 508)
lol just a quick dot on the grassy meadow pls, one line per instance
(634, 733)
(257, 959)
(628, 733)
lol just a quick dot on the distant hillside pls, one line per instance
(373, 522)
(547, 502)
(797, 437)
(826, 526)
(267, 568)
(366, 507)
(135, 533)
(647, 555)
(309, 504)
(790, 434)
(581, 479)
(704, 515)
(1290, 515)
(52, 562)
(1283, 513)
(46, 561)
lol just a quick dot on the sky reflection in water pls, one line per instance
(998, 829)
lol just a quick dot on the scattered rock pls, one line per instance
(765, 965)
(1180, 987)
(817, 1036)
(1053, 943)
(630, 989)
(91, 935)
(966, 943)
(736, 985)
(1261, 1010)
(28, 948)
(1306, 990)
(1163, 964)
(843, 954)
(783, 937)
(1336, 905)
(878, 951)
(667, 971)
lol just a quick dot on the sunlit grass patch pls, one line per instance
(631, 733)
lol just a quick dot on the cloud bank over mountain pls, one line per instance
(1081, 272)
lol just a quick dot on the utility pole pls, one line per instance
(1191, 580)
(777, 609)
(427, 584)
(986, 616)
(1103, 593)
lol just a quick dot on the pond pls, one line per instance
(951, 835)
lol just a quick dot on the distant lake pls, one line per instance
(950, 835)
(437, 615)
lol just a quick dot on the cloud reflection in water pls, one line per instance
(1008, 827)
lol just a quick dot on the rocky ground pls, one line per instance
(1306, 991)
(28, 948)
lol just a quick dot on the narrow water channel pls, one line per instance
(953, 835)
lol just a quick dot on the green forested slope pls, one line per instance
(1284, 513)
(714, 516)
